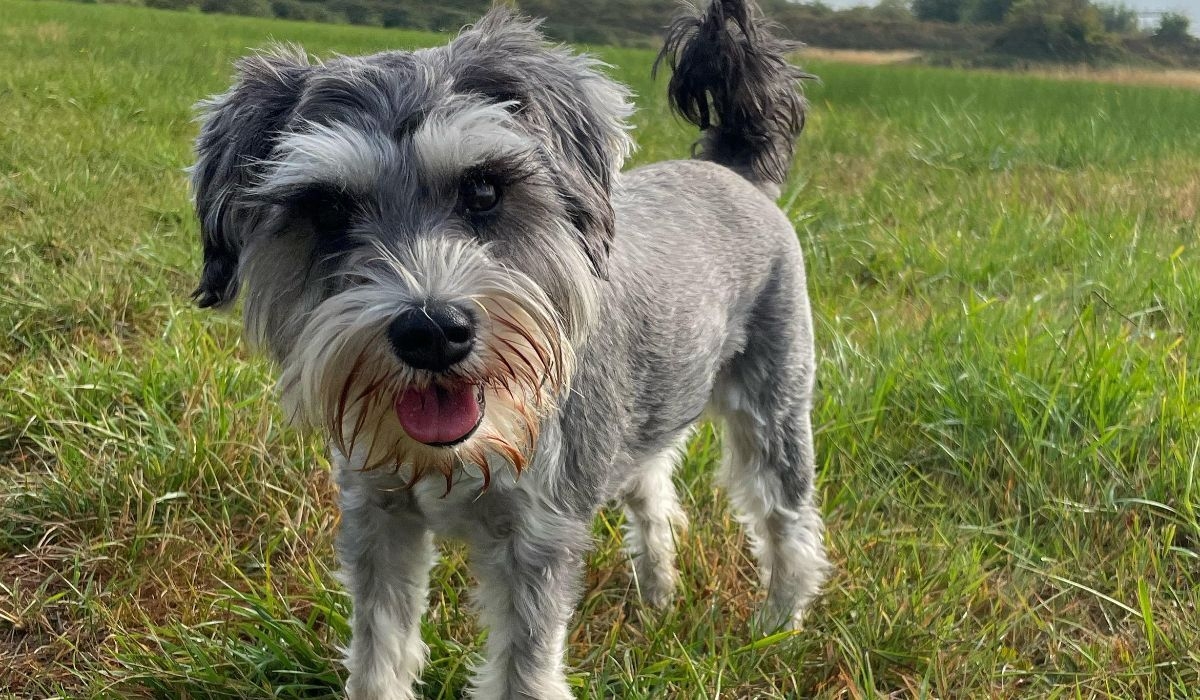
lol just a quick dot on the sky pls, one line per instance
(1190, 8)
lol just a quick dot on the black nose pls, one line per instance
(434, 337)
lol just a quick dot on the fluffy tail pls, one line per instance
(730, 77)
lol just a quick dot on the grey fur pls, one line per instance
(617, 310)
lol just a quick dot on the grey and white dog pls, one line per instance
(499, 331)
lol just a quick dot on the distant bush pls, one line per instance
(250, 8)
(357, 12)
(1059, 30)
(171, 4)
(894, 10)
(815, 8)
(297, 10)
(1173, 29)
(1118, 19)
(866, 31)
(396, 17)
(988, 11)
(938, 10)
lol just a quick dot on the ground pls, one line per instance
(1005, 280)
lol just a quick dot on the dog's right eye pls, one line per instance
(329, 211)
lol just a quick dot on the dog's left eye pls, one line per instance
(329, 211)
(478, 194)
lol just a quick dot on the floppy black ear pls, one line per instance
(567, 103)
(237, 131)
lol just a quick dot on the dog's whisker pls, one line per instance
(338, 425)
(533, 374)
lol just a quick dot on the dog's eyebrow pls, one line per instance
(447, 145)
(334, 154)
(409, 124)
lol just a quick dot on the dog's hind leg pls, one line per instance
(764, 396)
(653, 519)
(386, 553)
(774, 498)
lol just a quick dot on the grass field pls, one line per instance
(1006, 279)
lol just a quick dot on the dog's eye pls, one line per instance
(478, 194)
(329, 211)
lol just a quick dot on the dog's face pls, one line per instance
(419, 235)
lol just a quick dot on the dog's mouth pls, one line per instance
(441, 416)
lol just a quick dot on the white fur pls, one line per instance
(654, 519)
(342, 349)
(335, 154)
(507, 596)
(787, 542)
(387, 570)
(449, 142)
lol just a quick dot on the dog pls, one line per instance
(499, 331)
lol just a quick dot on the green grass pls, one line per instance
(1006, 284)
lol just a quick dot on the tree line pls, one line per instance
(975, 32)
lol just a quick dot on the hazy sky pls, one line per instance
(1188, 7)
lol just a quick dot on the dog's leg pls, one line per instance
(528, 573)
(386, 553)
(765, 397)
(653, 521)
(769, 478)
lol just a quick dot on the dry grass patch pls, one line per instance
(45, 32)
(1162, 77)
(859, 57)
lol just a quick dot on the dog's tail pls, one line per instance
(730, 77)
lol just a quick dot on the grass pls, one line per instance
(1006, 282)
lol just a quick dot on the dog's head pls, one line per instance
(419, 234)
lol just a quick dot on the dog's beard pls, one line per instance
(343, 376)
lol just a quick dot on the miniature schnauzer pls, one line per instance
(499, 331)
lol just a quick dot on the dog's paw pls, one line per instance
(774, 618)
(386, 686)
(659, 591)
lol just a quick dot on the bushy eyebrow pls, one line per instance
(448, 145)
(478, 139)
(337, 155)
(409, 125)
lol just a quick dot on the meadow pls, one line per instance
(1006, 278)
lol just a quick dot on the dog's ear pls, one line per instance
(238, 131)
(577, 112)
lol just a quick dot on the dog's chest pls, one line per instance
(463, 512)
(466, 510)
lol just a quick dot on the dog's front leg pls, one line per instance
(528, 575)
(386, 552)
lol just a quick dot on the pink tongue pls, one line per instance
(437, 415)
